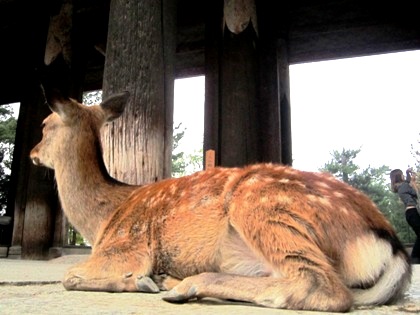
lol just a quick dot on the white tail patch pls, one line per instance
(372, 271)
(389, 287)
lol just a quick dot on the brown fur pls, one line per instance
(266, 234)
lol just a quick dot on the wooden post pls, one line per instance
(213, 42)
(41, 207)
(238, 115)
(283, 80)
(247, 106)
(274, 133)
(139, 59)
(210, 163)
(34, 198)
(231, 83)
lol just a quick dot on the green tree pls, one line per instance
(74, 237)
(194, 161)
(184, 164)
(178, 159)
(92, 97)
(374, 183)
(342, 165)
(7, 141)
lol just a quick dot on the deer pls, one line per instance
(265, 233)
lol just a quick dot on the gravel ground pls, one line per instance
(33, 287)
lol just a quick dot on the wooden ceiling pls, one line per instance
(314, 30)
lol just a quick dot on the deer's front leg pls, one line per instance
(112, 273)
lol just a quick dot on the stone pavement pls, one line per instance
(33, 287)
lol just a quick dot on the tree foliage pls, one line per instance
(184, 164)
(342, 165)
(178, 159)
(374, 182)
(7, 141)
(92, 97)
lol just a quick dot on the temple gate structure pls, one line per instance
(243, 47)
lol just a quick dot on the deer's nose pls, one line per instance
(36, 160)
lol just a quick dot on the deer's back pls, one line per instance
(183, 222)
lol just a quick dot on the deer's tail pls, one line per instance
(376, 268)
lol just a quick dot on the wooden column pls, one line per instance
(213, 43)
(283, 80)
(274, 134)
(139, 59)
(33, 196)
(35, 199)
(247, 103)
(238, 116)
(231, 91)
(38, 221)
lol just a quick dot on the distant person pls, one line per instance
(407, 191)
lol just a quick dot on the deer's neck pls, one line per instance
(87, 193)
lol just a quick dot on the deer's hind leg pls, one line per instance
(293, 273)
(295, 293)
(298, 284)
(112, 271)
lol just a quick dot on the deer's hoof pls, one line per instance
(181, 295)
(145, 284)
(72, 282)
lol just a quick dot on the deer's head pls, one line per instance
(73, 126)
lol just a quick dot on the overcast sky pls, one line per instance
(371, 103)
(189, 110)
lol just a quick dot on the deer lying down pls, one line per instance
(266, 234)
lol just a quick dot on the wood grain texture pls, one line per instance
(134, 147)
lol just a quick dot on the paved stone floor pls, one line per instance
(33, 287)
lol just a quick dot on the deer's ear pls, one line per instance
(114, 106)
(60, 104)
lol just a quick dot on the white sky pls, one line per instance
(189, 109)
(372, 103)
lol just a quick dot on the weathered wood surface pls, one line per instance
(33, 197)
(247, 108)
(238, 115)
(137, 147)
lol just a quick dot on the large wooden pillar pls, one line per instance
(38, 219)
(275, 139)
(33, 196)
(231, 90)
(41, 203)
(247, 84)
(139, 59)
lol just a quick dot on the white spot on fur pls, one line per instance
(344, 210)
(323, 185)
(324, 201)
(263, 199)
(173, 189)
(338, 194)
(290, 171)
